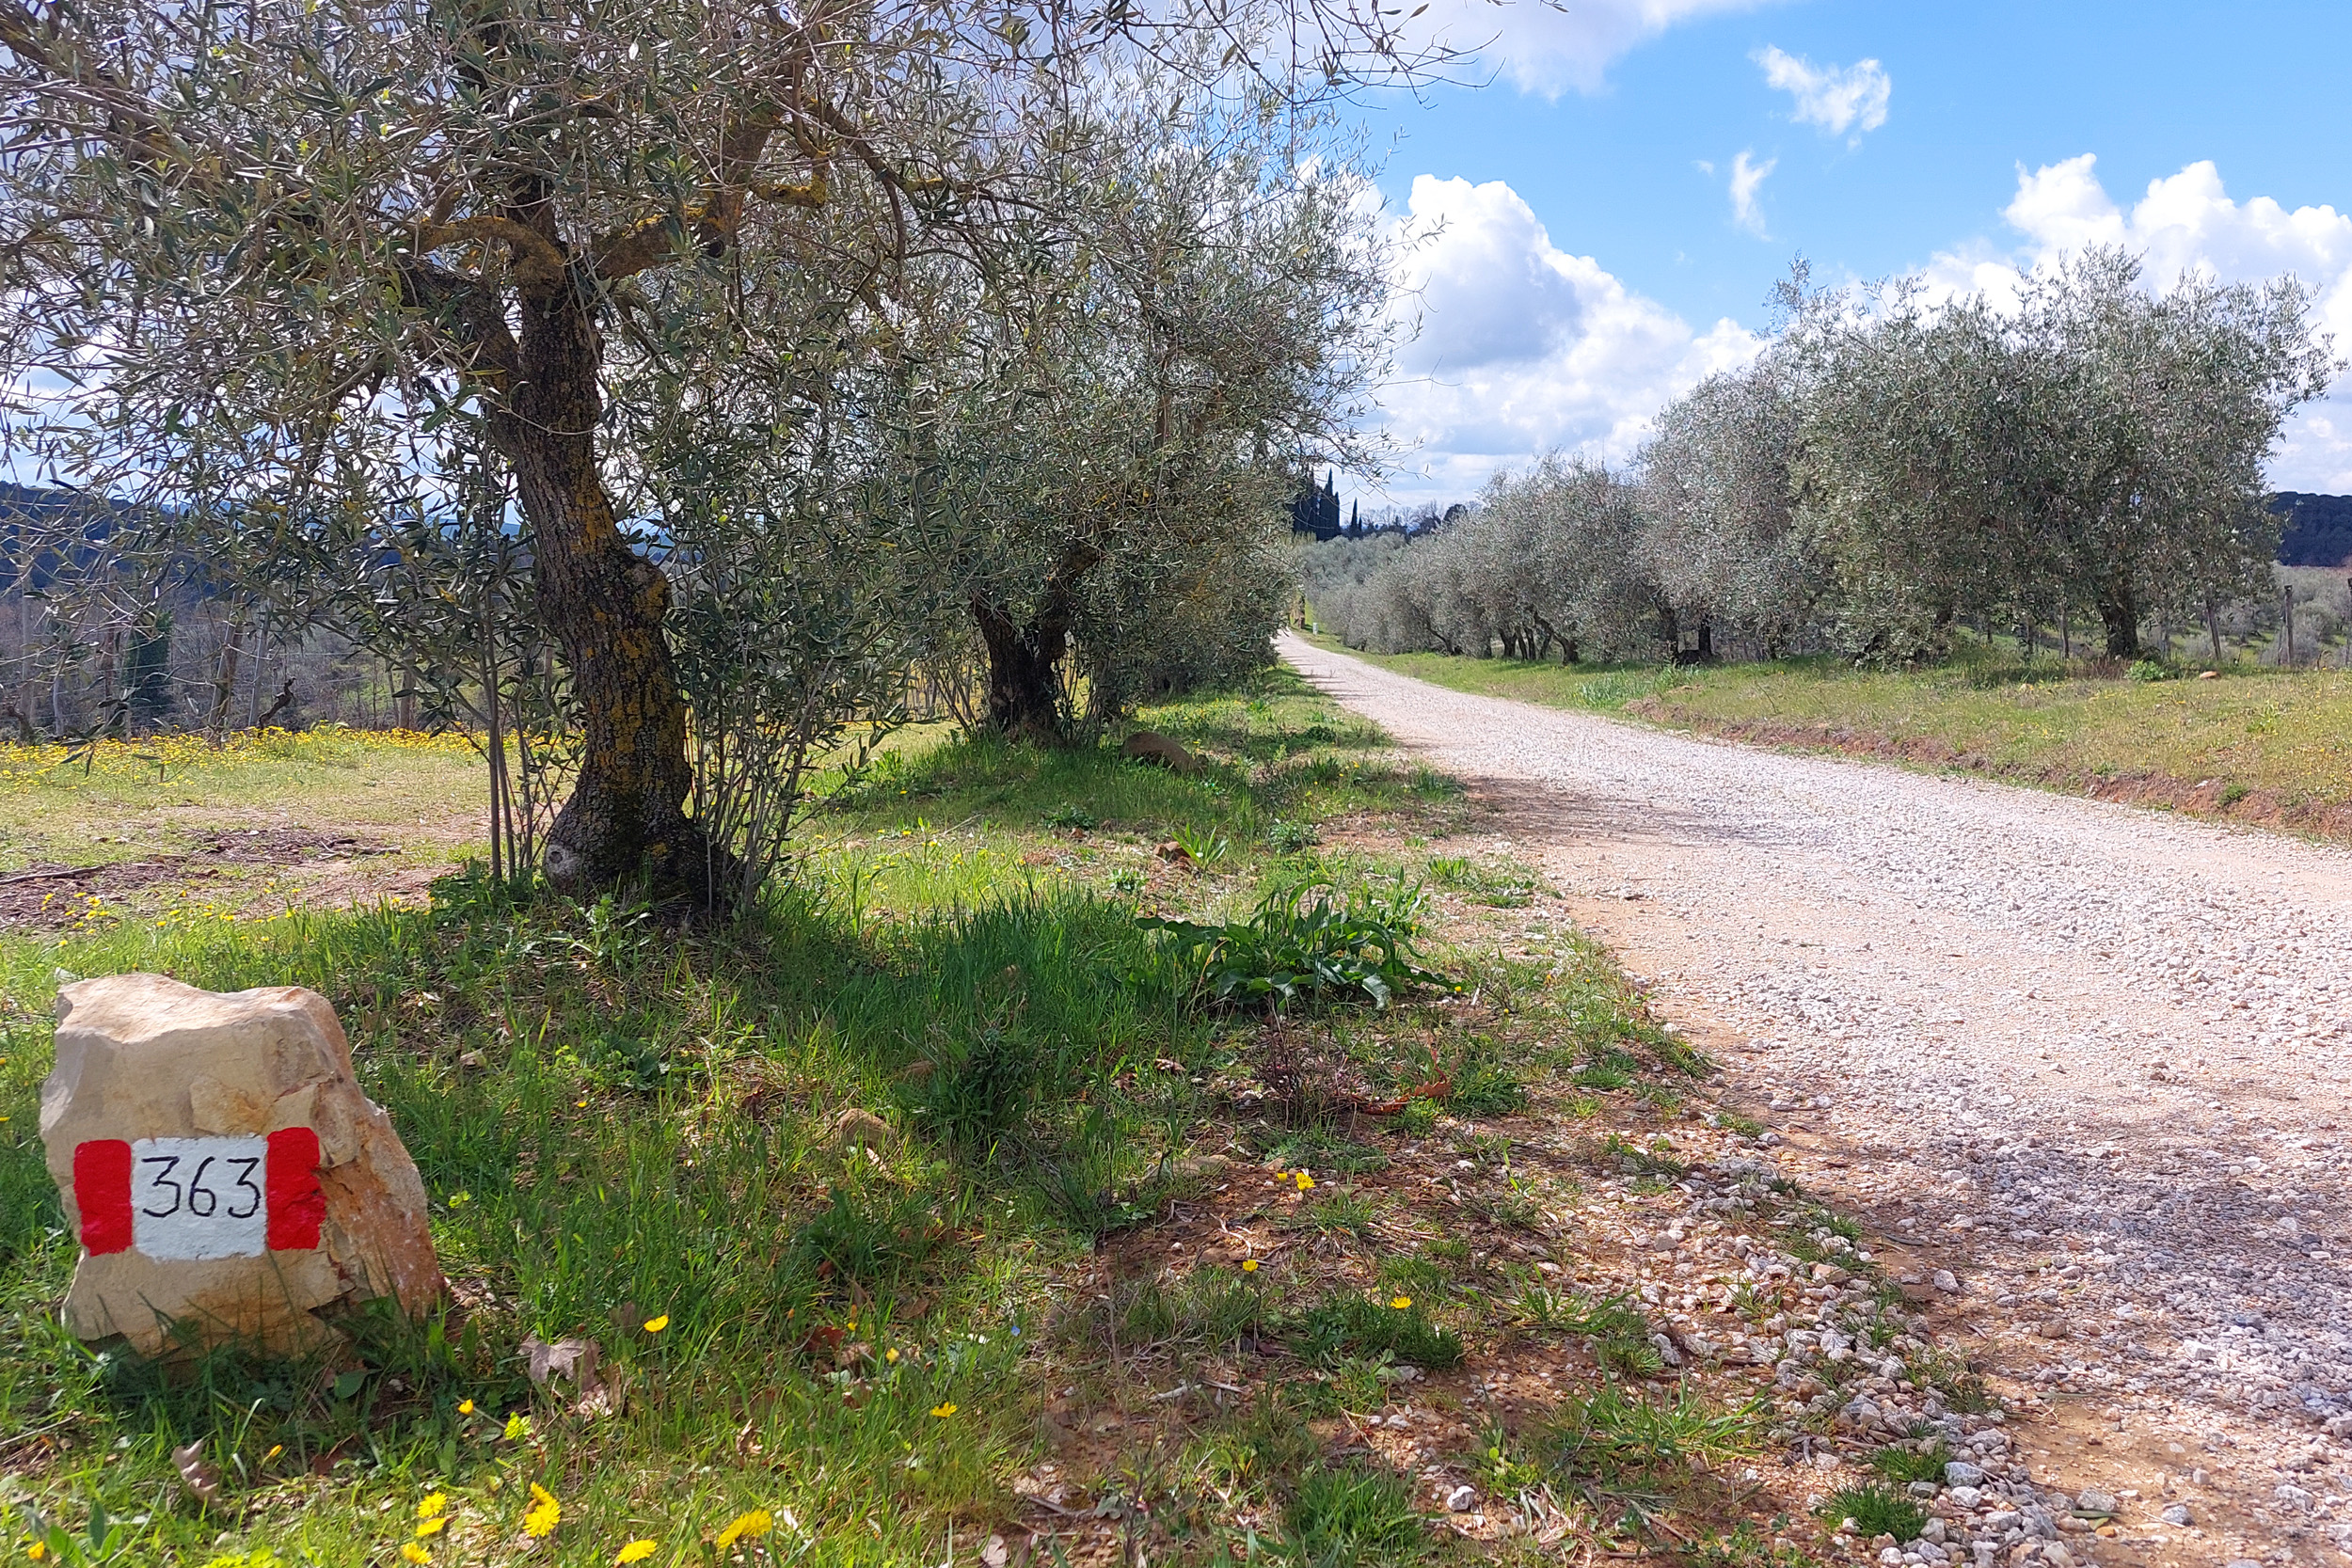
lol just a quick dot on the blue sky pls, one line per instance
(1611, 211)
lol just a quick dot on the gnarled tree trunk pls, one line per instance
(627, 814)
(1024, 657)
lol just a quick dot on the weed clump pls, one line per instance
(1902, 1465)
(1307, 944)
(1876, 1509)
(1344, 1515)
(1399, 1326)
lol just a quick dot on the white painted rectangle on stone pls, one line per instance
(198, 1198)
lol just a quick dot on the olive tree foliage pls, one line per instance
(1131, 427)
(2097, 448)
(1552, 560)
(260, 252)
(1724, 539)
(1890, 468)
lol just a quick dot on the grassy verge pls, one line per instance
(944, 1201)
(2250, 745)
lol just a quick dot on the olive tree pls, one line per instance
(259, 251)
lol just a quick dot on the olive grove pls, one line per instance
(1885, 472)
(669, 377)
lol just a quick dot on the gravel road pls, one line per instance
(2097, 1061)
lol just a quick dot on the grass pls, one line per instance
(2255, 743)
(1070, 1262)
(1876, 1509)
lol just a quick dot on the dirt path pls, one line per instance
(2097, 1062)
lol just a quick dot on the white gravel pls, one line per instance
(2106, 1052)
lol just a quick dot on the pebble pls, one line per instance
(1460, 1499)
(2176, 1514)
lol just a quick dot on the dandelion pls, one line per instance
(944, 1411)
(432, 1505)
(465, 1408)
(544, 1514)
(518, 1427)
(891, 1355)
(432, 1527)
(37, 1551)
(1400, 1303)
(1250, 1265)
(655, 1326)
(754, 1524)
(1305, 1181)
(411, 1552)
(636, 1551)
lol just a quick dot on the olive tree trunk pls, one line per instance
(605, 603)
(1025, 656)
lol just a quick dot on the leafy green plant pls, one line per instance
(1305, 943)
(1876, 1508)
(1203, 846)
(1291, 838)
(2153, 670)
(1069, 817)
(1417, 1120)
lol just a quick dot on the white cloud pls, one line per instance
(1549, 46)
(1837, 99)
(1524, 346)
(1745, 177)
(2186, 223)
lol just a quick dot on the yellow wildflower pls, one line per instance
(545, 1512)
(465, 1408)
(755, 1524)
(37, 1551)
(1250, 1265)
(891, 1355)
(655, 1326)
(433, 1526)
(414, 1553)
(431, 1504)
(1400, 1303)
(274, 1450)
(1305, 1181)
(944, 1411)
(636, 1551)
(518, 1427)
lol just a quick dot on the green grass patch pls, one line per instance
(2252, 730)
(1876, 1509)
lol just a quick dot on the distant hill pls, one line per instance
(2318, 531)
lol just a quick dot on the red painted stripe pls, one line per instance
(101, 1188)
(296, 1205)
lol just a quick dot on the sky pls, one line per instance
(1599, 223)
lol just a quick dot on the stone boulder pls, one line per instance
(1152, 747)
(225, 1176)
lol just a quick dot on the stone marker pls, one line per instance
(222, 1168)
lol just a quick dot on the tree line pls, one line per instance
(1883, 474)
